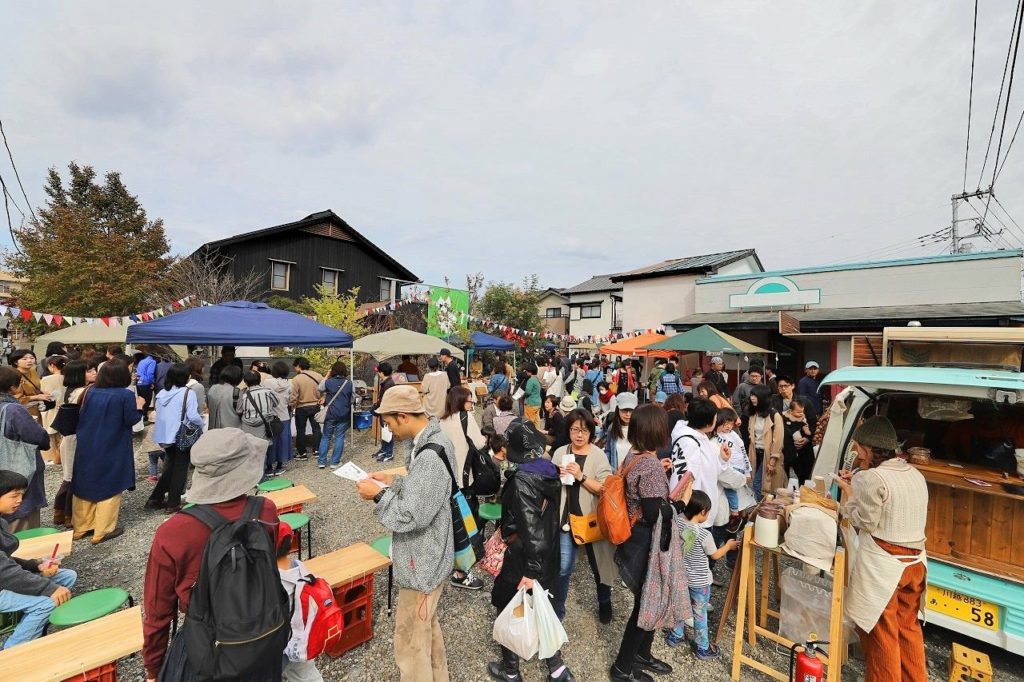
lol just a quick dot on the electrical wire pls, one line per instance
(883, 250)
(1009, 147)
(7, 210)
(970, 94)
(999, 99)
(1007, 213)
(18, 176)
(1009, 90)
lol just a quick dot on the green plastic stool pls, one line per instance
(298, 521)
(35, 533)
(383, 545)
(490, 511)
(272, 484)
(90, 606)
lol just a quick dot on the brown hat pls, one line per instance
(877, 432)
(401, 400)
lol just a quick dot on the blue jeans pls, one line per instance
(337, 431)
(567, 549)
(35, 611)
(759, 475)
(154, 461)
(699, 598)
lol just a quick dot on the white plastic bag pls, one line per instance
(550, 633)
(385, 434)
(515, 628)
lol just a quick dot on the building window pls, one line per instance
(280, 275)
(590, 311)
(385, 289)
(330, 279)
(553, 312)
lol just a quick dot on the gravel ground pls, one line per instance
(340, 518)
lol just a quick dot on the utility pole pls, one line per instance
(981, 230)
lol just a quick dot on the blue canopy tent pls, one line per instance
(481, 341)
(238, 323)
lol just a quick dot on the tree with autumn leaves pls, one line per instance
(92, 251)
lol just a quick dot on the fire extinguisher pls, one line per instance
(805, 665)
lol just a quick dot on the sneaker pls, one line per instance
(302, 455)
(673, 640)
(708, 654)
(467, 582)
(152, 479)
(718, 582)
(386, 458)
(278, 471)
(711, 607)
(321, 466)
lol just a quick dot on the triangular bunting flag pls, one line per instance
(38, 316)
(48, 318)
(15, 312)
(26, 314)
(58, 319)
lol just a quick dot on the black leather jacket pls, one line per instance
(529, 516)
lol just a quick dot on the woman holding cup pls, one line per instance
(583, 467)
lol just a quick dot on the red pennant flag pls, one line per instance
(26, 314)
(106, 321)
(58, 319)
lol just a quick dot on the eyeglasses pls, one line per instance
(577, 431)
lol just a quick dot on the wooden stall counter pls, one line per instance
(42, 546)
(974, 525)
(76, 650)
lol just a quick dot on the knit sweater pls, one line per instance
(416, 510)
(890, 502)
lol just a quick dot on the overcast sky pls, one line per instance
(567, 139)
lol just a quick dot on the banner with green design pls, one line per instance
(446, 314)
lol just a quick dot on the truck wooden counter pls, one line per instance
(974, 525)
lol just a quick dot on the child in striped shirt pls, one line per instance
(698, 545)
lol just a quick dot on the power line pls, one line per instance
(999, 99)
(1009, 146)
(7, 210)
(18, 176)
(1009, 90)
(970, 95)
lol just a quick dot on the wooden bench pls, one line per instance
(76, 650)
(346, 565)
(42, 546)
(289, 499)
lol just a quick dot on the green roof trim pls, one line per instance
(952, 258)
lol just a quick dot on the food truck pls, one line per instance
(956, 398)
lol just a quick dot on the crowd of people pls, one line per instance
(691, 454)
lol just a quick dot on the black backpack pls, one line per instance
(238, 621)
(486, 478)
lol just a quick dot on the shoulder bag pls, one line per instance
(486, 479)
(65, 422)
(15, 455)
(188, 433)
(272, 425)
(44, 405)
(465, 535)
(612, 515)
(321, 415)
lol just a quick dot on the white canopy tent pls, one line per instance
(402, 342)
(92, 334)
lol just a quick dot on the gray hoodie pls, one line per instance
(416, 510)
(20, 576)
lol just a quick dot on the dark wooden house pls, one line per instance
(319, 249)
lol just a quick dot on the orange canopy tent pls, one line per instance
(634, 345)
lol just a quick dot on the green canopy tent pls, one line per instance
(708, 340)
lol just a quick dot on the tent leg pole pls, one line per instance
(351, 403)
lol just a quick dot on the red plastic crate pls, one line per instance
(104, 673)
(289, 510)
(355, 600)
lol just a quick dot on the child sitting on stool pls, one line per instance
(28, 586)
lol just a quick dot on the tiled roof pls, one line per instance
(594, 284)
(706, 264)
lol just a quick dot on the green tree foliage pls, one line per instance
(514, 305)
(93, 250)
(339, 311)
(290, 304)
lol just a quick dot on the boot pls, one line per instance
(558, 670)
(508, 669)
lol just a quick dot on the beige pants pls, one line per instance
(99, 517)
(532, 414)
(419, 645)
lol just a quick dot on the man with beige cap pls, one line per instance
(415, 508)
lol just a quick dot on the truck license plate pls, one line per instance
(962, 607)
